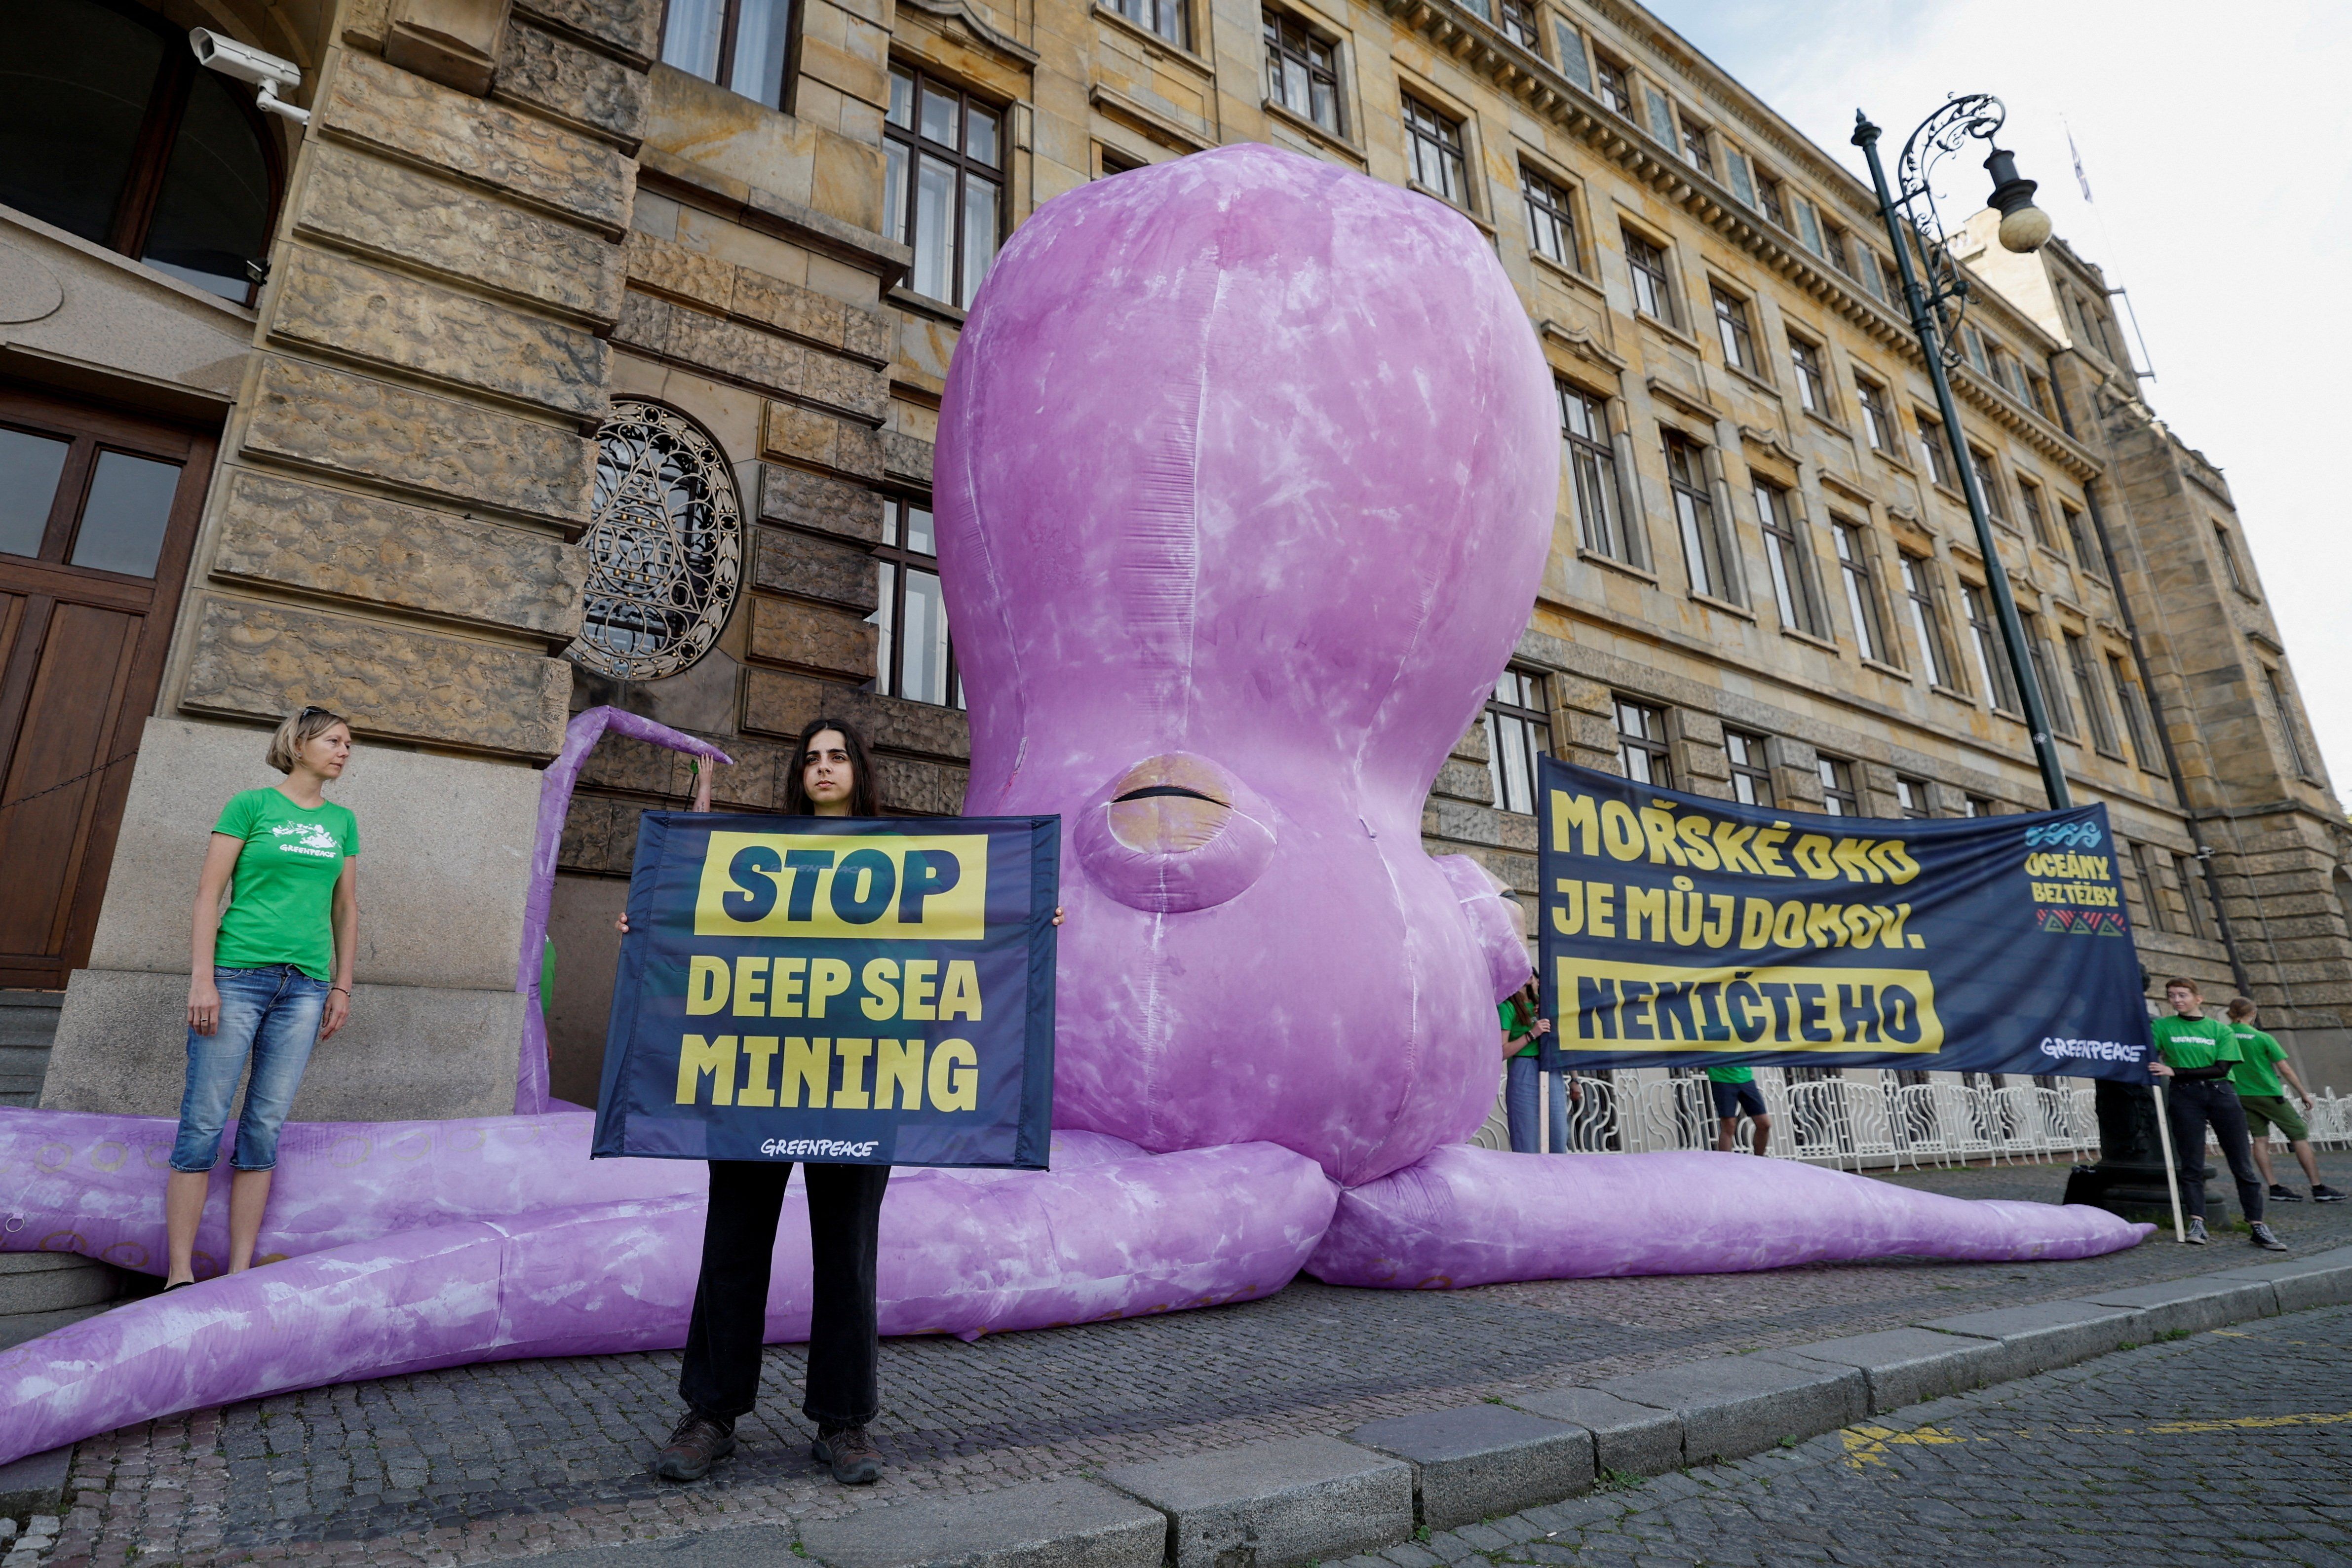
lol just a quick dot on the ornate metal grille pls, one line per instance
(665, 547)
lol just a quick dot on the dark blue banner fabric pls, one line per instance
(1684, 931)
(845, 990)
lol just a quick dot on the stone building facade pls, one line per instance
(591, 351)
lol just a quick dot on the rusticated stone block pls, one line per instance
(783, 704)
(789, 308)
(906, 457)
(926, 789)
(816, 569)
(267, 660)
(632, 27)
(333, 420)
(372, 103)
(668, 267)
(821, 441)
(868, 334)
(855, 389)
(834, 641)
(600, 834)
(594, 91)
(741, 353)
(399, 213)
(380, 552)
(331, 302)
(809, 500)
(1465, 781)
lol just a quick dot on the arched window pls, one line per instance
(666, 546)
(109, 130)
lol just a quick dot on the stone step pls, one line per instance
(53, 1281)
(28, 1024)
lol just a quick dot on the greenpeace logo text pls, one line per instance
(818, 1149)
(2093, 1049)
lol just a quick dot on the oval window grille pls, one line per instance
(664, 547)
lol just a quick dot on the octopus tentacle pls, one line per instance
(1465, 1215)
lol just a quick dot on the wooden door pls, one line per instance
(98, 513)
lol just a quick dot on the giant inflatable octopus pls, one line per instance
(1245, 477)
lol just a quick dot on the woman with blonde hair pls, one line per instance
(268, 976)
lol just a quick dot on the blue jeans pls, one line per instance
(1519, 1107)
(272, 1017)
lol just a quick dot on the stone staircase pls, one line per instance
(44, 1290)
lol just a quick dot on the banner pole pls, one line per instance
(2171, 1171)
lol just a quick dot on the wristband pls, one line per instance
(345, 989)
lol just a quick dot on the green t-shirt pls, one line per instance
(1731, 1074)
(281, 901)
(2257, 1074)
(2195, 1042)
(1507, 1009)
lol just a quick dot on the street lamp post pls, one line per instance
(2023, 228)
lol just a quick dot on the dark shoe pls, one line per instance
(2323, 1194)
(2196, 1236)
(176, 1285)
(2284, 1194)
(698, 1442)
(850, 1452)
(2265, 1238)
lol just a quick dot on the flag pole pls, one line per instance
(2171, 1169)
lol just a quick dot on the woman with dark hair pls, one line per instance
(268, 976)
(1524, 1029)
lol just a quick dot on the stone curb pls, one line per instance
(1283, 1504)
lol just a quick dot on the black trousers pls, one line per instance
(2192, 1103)
(721, 1374)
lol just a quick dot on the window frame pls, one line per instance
(919, 147)
(1840, 785)
(1159, 10)
(1690, 488)
(1992, 657)
(1274, 25)
(2076, 524)
(1529, 710)
(2230, 564)
(1987, 472)
(1913, 797)
(1698, 143)
(1789, 559)
(2139, 722)
(2274, 687)
(1658, 772)
(1590, 463)
(1936, 450)
(1646, 261)
(2059, 707)
(2104, 734)
(1556, 212)
(722, 74)
(1734, 333)
(1453, 160)
(1809, 360)
(1754, 771)
(1528, 37)
(2037, 515)
(1613, 85)
(1858, 568)
(1881, 425)
(1920, 590)
(894, 559)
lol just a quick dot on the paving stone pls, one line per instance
(35, 1484)
(1732, 1405)
(1480, 1460)
(1904, 1366)
(1055, 1525)
(2046, 1334)
(2189, 1306)
(1280, 1502)
(1631, 1439)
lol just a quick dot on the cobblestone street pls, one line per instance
(485, 1463)
(2227, 1447)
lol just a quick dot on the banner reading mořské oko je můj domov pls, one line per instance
(838, 989)
(1683, 931)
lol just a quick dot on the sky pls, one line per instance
(2217, 145)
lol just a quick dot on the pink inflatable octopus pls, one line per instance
(1246, 479)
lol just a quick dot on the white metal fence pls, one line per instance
(1859, 1122)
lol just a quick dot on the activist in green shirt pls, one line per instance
(2196, 1055)
(2264, 1099)
(1524, 1029)
(1734, 1090)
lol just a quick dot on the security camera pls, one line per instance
(245, 63)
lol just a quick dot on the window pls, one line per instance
(1834, 246)
(1435, 145)
(2037, 516)
(1731, 327)
(1992, 661)
(1813, 380)
(1642, 744)
(1809, 228)
(1301, 73)
(913, 658)
(665, 545)
(1751, 775)
(1996, 499)
(1973, 341)
(2221, 542)
(2141, 859)
(1839, 796)
(112, 131)
(1870, 269)
(1784, 550)
(1519, 25)
(738, 44)
(2194, 898)
(1662, 116)
(2045, 674)
(1861, 591)
(1926, 617)
(1912, 794)
(1592, 475)
(1769, 199)
(1695, 518)
(1165, 18)
(2087, 554)
(1936, 453)
(1878, 417)
(941, 190)
(1743, 175)
(1518, 730)
(2045, 401)
(1696, 147)
(1551, 221)
(1114, 162)
(1616, 86)
(2094, 699)
(1652, 292)
(2295, 756)
(2136, 721)
(1977, 806)
(1571, 53)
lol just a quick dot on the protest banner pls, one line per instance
(839, 989)
(1684, 931)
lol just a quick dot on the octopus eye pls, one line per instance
(1175, 833)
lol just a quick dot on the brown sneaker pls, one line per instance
(698, 1442)
(850, 1452)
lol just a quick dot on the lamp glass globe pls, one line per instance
(2025, 229)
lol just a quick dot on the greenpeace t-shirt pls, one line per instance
(1731, 1074)
(2192, 1043)
(281, 901)
(2258, 1073)
(1507, 1009)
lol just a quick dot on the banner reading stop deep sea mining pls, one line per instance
(1684, 931)
(843, 990)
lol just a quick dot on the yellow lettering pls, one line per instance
(897, 1075)
(1568, 918)
(920, 988)
(1571, 814)
(1812, 853)
(697, 1056)
(706, 984)
(851, 1095)
(1645, 906)
(959, 999)
(1731, 849)
(1658, 831)
(827, 977)
(784, 999)
(1788, 923)
(756, 1090)
(881, 998)
(1621, 830)
(954, 1074)
(1768, 850)
(1755, 922)
(808, 1064)
(751, 987)
(1692, 831)
(1892, 857)
(1601, 908)
(1852, 856)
